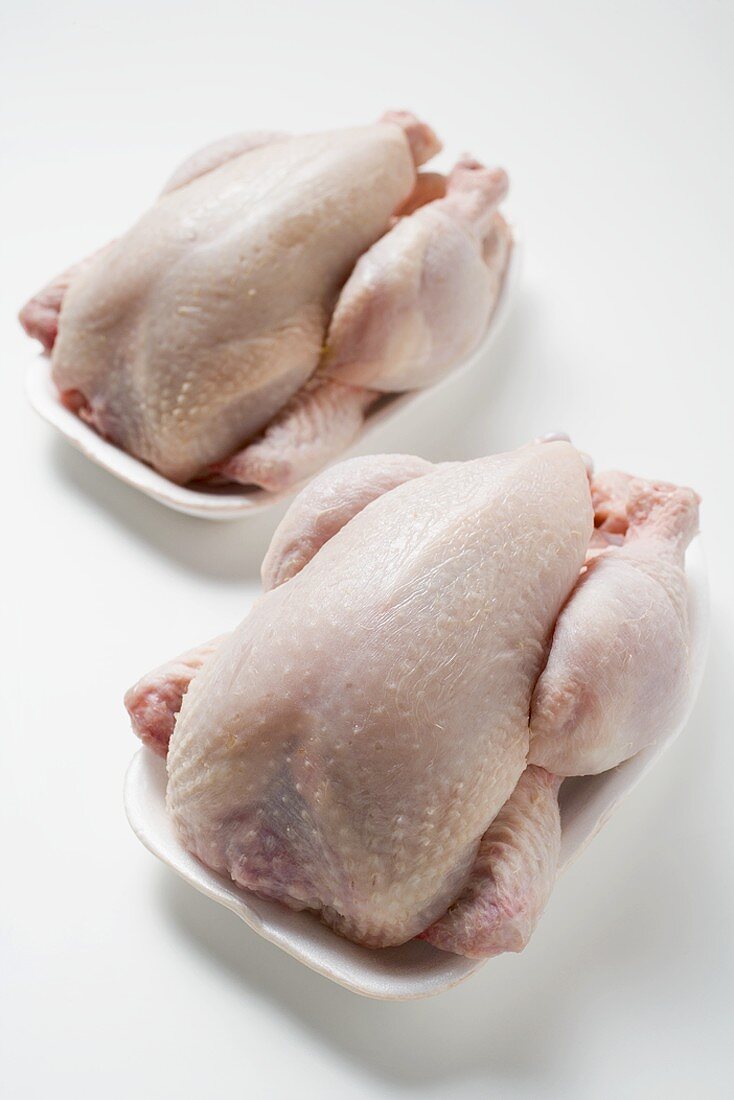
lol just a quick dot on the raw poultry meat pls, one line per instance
(512, 877)
(241, 330)
(363, 744)
(617, 675)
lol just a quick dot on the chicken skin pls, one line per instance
(617, 674)
(381, 739)
(512, 877)
(200, 340)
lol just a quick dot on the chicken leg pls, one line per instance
(512, 877)
(617, 674)
(419, 300)
(314, 427)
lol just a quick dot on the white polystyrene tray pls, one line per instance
(416, 969)
(232, 501)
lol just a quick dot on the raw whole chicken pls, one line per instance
(276, 289)
(383, 737)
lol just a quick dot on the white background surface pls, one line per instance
(614, 121)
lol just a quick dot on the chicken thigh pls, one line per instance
(203, 327)
(346, 748)
(420, 299)
(617, 674)
(512, 876)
